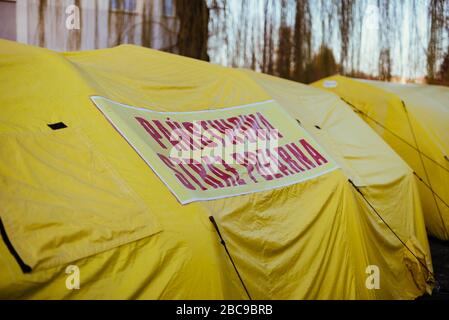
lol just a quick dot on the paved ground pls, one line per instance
(440, 258)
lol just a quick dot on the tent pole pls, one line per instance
(211, 218)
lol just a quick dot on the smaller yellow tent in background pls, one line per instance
(414, 121)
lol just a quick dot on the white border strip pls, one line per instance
(181, 112)
(263, 189)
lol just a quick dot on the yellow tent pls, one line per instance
(81, 198)
(414, 121)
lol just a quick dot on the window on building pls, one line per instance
(169, 8)
(128, 6)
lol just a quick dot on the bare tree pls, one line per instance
(345, 19)
(302, 39)
(284, 50)
(193, 33)
(434, 48)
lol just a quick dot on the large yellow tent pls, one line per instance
(414, 121)
(81, 197)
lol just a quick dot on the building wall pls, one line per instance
(103, 23)
(8, 20)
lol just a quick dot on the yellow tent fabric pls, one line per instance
(82, 196)
(414, 121)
